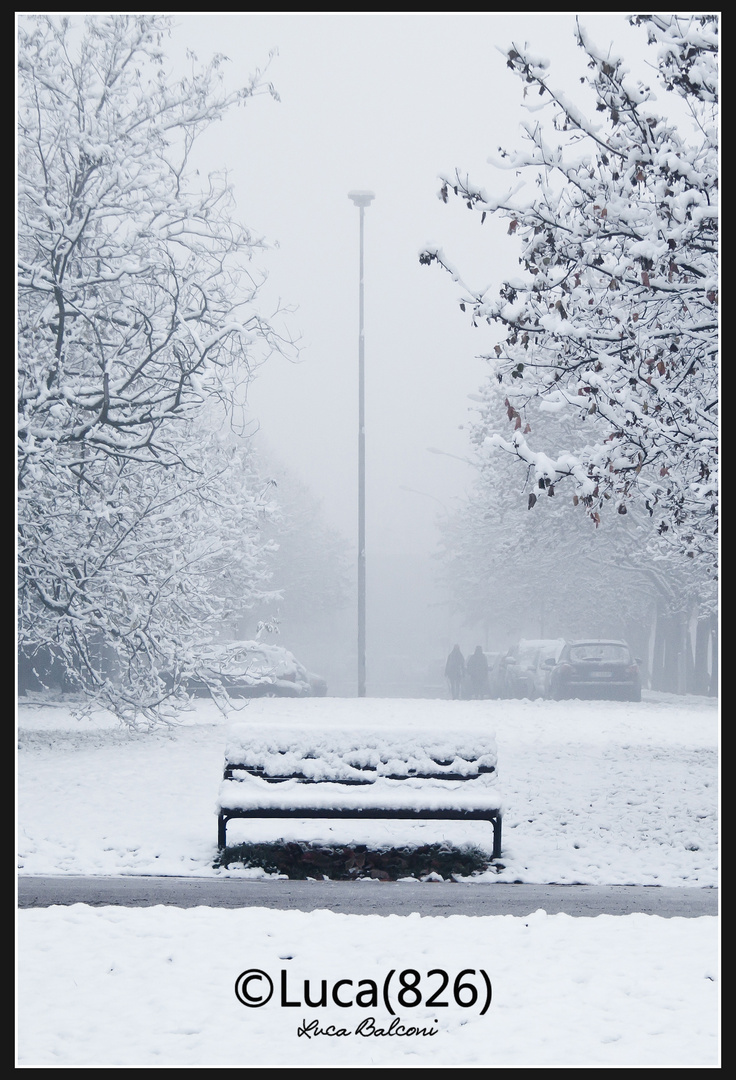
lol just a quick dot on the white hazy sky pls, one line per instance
(384, 101)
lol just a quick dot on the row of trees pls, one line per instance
(512, 573)
(610, 330)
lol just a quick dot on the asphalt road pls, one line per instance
(368, 897)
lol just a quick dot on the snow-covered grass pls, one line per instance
(594, 793)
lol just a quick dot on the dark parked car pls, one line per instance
(595, 669)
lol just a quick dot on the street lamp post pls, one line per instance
(361, 200)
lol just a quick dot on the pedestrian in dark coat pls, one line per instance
(478, 673)
(455, 671)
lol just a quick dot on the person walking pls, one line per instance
(477, 668)
(455, 672)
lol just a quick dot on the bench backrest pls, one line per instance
(360, 756)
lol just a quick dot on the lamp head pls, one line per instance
(361, 198)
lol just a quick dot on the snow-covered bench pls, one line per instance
(381, 773)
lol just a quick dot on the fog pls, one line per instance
(384, 101)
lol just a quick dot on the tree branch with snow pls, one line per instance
(614, 315)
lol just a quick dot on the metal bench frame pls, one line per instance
(367, 813)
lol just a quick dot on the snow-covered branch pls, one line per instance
(614, 315)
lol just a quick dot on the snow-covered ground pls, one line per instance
(594, 793)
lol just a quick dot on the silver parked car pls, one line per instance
(523, 667)
(253, 669)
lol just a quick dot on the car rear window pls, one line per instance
(609, 653)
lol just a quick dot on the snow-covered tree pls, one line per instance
(311, 564)
(546, 574)
(137, 308)
(125, 577)
(613, 316)
(551, 574)
(312, 569)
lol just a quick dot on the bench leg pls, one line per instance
(496, 822)
(221, 829)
